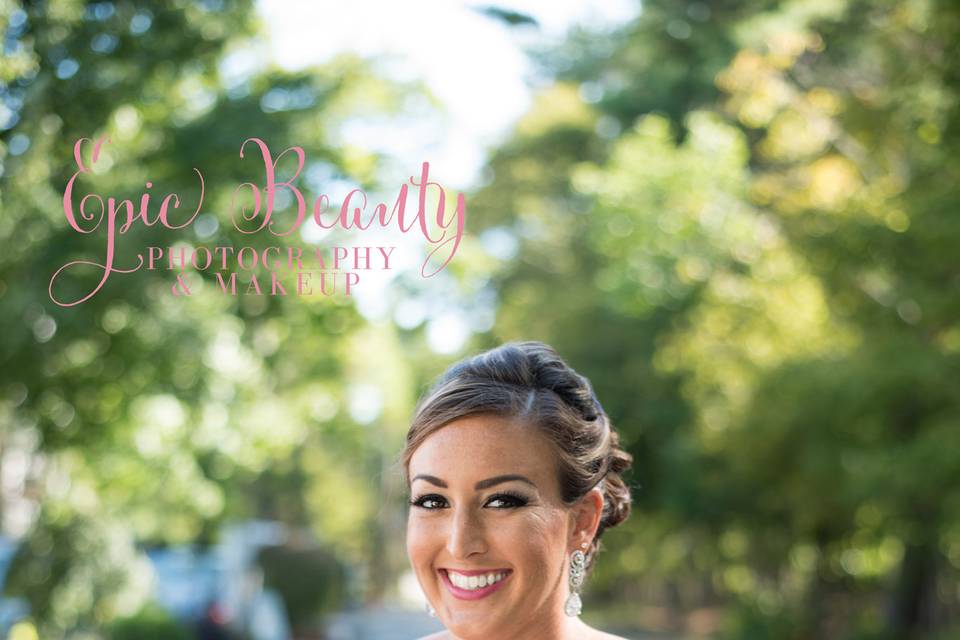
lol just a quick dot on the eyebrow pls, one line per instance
(483, 484)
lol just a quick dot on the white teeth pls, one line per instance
(472, 583)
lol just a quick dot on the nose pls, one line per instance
(466, 535)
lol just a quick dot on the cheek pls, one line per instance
(421, 542)
(536, 541)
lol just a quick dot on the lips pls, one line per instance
(476, 572)
(466, 584)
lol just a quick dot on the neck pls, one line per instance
(562, 628)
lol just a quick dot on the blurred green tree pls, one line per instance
(151, 623)
(736, 219)
(167, 415)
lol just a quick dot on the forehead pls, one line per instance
(484, 446)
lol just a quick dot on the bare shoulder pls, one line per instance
(439, 635)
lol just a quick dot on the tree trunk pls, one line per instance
(910, 610)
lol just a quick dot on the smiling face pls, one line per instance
(488, 534)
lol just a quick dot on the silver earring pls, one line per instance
(431, 611)
(573, 606)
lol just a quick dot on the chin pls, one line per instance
(474, 627)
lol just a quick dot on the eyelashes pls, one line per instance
(508, 500)
(500, 500)
(429, 502)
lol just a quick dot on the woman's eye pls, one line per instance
(430, 502)
(506, 501)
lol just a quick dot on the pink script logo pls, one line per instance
(118, 218)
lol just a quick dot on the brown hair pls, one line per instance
(529, 381)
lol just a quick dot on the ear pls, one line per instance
(585, 520)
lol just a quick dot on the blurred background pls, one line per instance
(737, 218)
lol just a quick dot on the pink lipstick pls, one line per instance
(477, 593)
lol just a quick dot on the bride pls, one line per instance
(514, 474)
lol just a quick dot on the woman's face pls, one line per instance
(486, 510)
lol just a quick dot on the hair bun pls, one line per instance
(550, 372)
(620, 460)
(616, 493)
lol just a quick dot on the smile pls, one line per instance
(474, 585)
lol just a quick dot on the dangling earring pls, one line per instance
(431, 611)
(573, 606)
